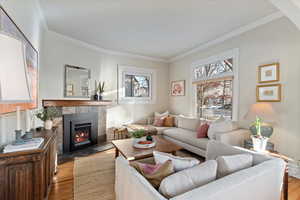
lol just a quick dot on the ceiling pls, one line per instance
(156, 28)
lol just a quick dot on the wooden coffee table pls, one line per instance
(131, 153)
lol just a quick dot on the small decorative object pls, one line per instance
(144, 144)
(261, 132)
(99, 90)
(149, 138)
(268, 93)
(268, 73)
(47, 115)
(178, 88)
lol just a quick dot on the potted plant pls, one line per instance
(138, 135)
(47, 115)
(259, 141)
(99, 90)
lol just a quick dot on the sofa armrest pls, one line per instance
(131, 185)
(234, 138)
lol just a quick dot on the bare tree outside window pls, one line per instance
(137, 86)
(215, 91)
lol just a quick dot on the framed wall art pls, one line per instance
(9, 28)
(268, 73)
(178, 88)
(268, 93)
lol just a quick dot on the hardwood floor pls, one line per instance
(62, 188)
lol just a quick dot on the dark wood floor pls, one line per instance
(62, 188)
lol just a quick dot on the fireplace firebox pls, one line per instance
(80, 131)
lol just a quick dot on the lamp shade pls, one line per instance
(13, 71)
(264, 111)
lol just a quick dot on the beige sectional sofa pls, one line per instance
(185, 135)
(262, 181)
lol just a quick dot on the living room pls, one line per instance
(174, 50)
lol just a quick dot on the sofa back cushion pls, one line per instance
(188, 179)
(230, 164)
(179, 163)
(188, 123)
(221, 126)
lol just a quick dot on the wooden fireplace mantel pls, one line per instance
(74, 103)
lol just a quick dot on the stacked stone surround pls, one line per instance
(102, 115)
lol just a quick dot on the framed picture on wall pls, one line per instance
(9, 28)
(268, 73)
(178, 88)
(268, 93)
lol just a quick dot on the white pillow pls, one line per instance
(230, 164)
(161, 115)
(179, 163)
(188, 179)
(188, 123)
(220, 126)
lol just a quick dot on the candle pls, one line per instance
(28, 121)
(18, 119)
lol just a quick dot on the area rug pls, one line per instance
(94, 177)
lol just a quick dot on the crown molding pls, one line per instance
(107, 51)
(234, 33)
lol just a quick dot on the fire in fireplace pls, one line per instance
(80, 131)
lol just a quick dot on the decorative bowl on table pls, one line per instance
(144, 144)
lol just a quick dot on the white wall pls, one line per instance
(276, 41)
(26, 15)
(61, 51)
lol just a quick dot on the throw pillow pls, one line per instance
(160, 115)
(202, 131)
(188, 123)
(159, 121)
(169, 121)
(220, 126)
(179, 163)
(154, 173)
(189, 179)
(230, 164)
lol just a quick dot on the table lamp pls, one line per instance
(261, 113)
(14, 87)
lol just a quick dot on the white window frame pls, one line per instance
(129, 70)
(234, 54)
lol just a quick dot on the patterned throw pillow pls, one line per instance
(169, 121)
(154, 173)
(202, 131)
(159, 121)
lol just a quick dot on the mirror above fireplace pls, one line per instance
(77, 82)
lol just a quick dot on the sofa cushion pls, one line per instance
(188, 179)
(161, 129)
(154, 173)
(220, 126)
(179, 163)
(188, 123)
(187, 136)
(230, 164)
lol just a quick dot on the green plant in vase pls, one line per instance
(99, 90)
(137, 135)
(47, 115)
(259, 141)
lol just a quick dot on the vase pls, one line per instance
(259, 143)
(48, 124)
(98, 97)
